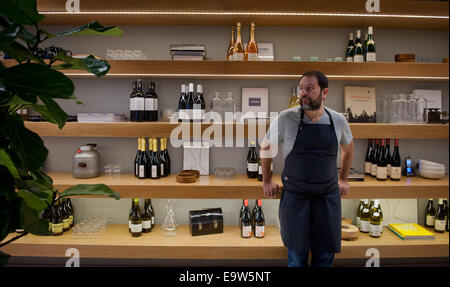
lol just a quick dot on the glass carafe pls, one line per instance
(403, 108)
(229, 107)
(169, 226)
(217, 105)
(421, 109)
(394, 114)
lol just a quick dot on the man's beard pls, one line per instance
(313, 105)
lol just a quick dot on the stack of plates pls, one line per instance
(429, 169)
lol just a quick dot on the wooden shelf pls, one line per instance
(321, 13)
(164, 129)
(379, 71)
(240, 187)
(116, 242)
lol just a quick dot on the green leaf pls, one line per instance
(4, 217)
(90, 63)
(90, 189)
(8, 35)
(20, 53)
(5, 160)
(3, 259)
(21, 11)
(32, 223)
(58, 114)
(36, 200)
(37, 79)
(91, 29)
(41, 177)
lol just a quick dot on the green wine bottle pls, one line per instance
(439, 220)
(430, 213)
(136, 219)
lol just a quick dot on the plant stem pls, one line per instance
(13, 239)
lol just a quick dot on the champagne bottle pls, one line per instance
(231, 46)
(136, 219)
(396, 164)
(439, 220)
(246, 221)
(199, 104)
(136, 159)
(368, 160)
(388, 157)
(251, 52)
(65, 214)
(57, 219)
(190, 102)
(350, 49)
(430, 213)
(146, 218)
(155, 168)
(358, 50)
(260, 222)
(382, 164)
(161, 158)
(133, 109)
(142, 162)
(238, 51)
(375, 156)
(252, 161)
(182, 105)
(365, 217)
(151, 104)
(358, 213)
(375, 221)
(371, 55)
(167, 158)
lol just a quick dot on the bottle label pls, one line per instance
(198, 113)
(129, 224)
(430, 220)
(373, 172)
(381, 172)
(138, 104)
(230, 58)
(183, 114)
(132, 104)
(259, 170)
(252, 56)
(141, 170)
(358, 58)
(368, 167)
(365, 225)
(162, 169)
(151, 104)
(371, 57)
(439, 225)
(247, 231)
(389, 170)
(66, 223)
(135, 228)
(154, 171)
(71, 220)
(349, 59)
(57, 228)
(153, 220)
(375, 230)
(396, 172)
(252, 167)
(238, 57)
(146, 224)
(259, 231)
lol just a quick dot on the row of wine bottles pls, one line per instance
(369, 218)
(254, 169)
(143, 107)
(141, 221)
(437, 218)
(236, 50)
(252, 221)
(59, 216)
(359, 52)
(152, 164)
(191, 106)
(380, 163)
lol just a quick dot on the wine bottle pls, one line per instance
(136, 159)
(161, 158)
(139, 103)
(396, 164)
(365, 48)
(251, 52)
(382, 164)
(167, 158)
(260, 222)
(70, 211)
(182, 105)
(133, 109)
(365, 217)
(368, 160)
(231, 46)
(152, 212)
(241, 212)
(142, 162)
(293, 100)
(155, 168)
(136, 219)
(430, 213)
(57, 220)
(199, 104)
(375, 156)
(358, 50)
(146, 218)
(375, 222)
(130, 214)
(350, 49)
(371, 55)
(246, 221)
(358, 213)
(260, 175)
(439, 220)
(190, 102)
(65, 215)
(151, 104)
(252, 161)
(445, 208)
(388, 157)
(238, 51)
(255, 208)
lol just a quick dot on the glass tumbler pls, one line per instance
(421, 109)
(394, 114)
(403, 108)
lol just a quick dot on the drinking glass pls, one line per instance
(394, 115)
(229, 107)
(110, 55)
(169, 226)
(412, 108)
(403, 108)
(119, 55)
(421, 109)
(137, 55)
(217, 105)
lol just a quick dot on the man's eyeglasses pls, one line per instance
(308, 89)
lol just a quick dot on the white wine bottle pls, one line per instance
(136, 219)
(371, 54)
(430, 213)
(359, 51)
(146, 218)
(365, 217)
(439, 220)
(358, 213)
(375, 222)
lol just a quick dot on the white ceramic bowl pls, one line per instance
(432, 169)
(427, 163)
(431, 174)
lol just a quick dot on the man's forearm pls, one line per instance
(346, 163)
(266, 164)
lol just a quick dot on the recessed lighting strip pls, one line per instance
(195, 13)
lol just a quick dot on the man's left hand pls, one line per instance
(344, 187)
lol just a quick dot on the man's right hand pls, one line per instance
(270, 189)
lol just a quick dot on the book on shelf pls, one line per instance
(187, 58)
(188, 53)
(187, 47)
(408, 231)
(360, 104)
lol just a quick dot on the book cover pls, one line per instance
(360, 104)
(410, 231)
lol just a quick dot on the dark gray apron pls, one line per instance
(310, 205)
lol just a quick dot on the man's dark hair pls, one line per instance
(321, 78)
